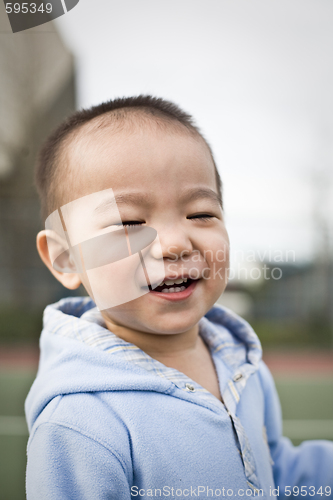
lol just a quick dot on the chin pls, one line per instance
(172, 325)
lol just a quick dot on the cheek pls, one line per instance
(216, 254)
(216, 250)
(116, 283)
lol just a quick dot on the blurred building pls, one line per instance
(302, 293)
(298, 304)
(36, 92)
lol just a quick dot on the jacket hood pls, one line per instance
(78, 354)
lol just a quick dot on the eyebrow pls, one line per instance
(132, 199)
(187, 196)
(194, 194)
(121, 199)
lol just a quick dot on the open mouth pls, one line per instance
(174, 286)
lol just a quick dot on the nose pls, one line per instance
(175, 242)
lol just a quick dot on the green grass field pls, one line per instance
(14, 386)
(307, 406)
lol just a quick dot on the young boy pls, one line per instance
(154, 392)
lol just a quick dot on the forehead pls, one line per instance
(148, 155)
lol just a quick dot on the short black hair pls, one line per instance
(48, 159)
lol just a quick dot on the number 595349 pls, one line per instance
(26, 7)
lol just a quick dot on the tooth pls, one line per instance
(177, 289)
(185, 280)
(178, 281)
(171, 290)
(165, 290)
(169, 282)
(182, 288)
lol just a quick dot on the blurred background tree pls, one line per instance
(37, 91)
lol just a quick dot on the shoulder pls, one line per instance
(83, 417)
(68, 457)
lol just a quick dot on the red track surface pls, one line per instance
(280, 362)
(299, 362)
(16, 357)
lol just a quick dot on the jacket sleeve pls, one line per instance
(309, 464)
(65, 464)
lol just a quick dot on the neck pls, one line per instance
(158, 346)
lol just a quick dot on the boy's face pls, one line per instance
(161, 178)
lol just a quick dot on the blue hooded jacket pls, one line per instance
(106, 421)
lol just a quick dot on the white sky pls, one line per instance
(257, 75)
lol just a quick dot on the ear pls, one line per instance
(68, 279)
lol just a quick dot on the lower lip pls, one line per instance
(175, 296)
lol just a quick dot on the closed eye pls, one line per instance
(201, 217)
(132, 223)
